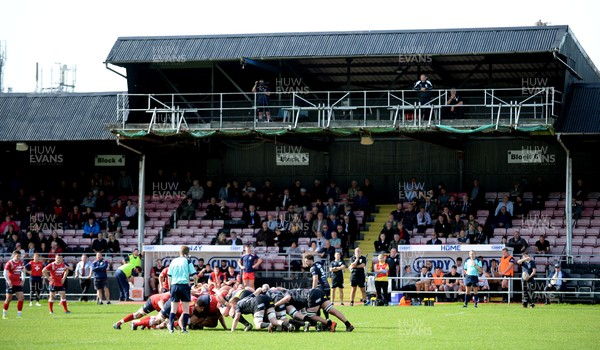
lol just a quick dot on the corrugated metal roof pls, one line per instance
(337, 44)
(57, 117)
(582, 110)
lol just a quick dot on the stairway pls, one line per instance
(366, 246)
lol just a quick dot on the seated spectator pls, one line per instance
(330, 208)
(518, 244)
(361, 202)
(55, 238)
(102, 202)
(395, 242)
(100, 245)
(327, 252)
(443, 197)
(210, 191)
(54, 250)
(465, 207)
(462, 237)
(213, 210)
(59, 211)
(398, 213)
(452, 284)
(423, 221)
(196, 192)
(8, 222)
(503, 219)
(89, 200)
(221, 239)
(442, 227)
(113, 246)
(424, 280)
(250, 198)
(130, 210)
(312, 248)
(280, 239)
(118, 210)
(505, 203)
(454, 106)
(480, 236)
(388, 231)
(410, 218)
(234, 240)
(336, 242)
(495, 276)
(580, 190)
(457, 225)
(251, 218)
(515, 191)
(295, 228)
(91, 229)
(75, 219)
(542, 246)
(264, 235)
(113, 225)
(154, 275)
(318, 222)
(188, 209)
(223, 210)
(540, 194)
(295, 255)
(381, 245)
(434, 239)
(576, 210)
(89, 214)
(353, 190)
(521, 209)
(430, 207)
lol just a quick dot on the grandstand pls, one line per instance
(530, 108)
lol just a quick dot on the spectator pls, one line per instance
(505, 203)
(279, 239)
(333, 191)
(55, 238)
(542, 246)
(442, 227)
(480, 236)
(521, 209)
(264, 235)
(398, 213)
(234, 240)
(381, 245)
(454, 103)
(424, 280)
(462, 237)
(295, 256)
(91, 229)
(518, 244)
(353, 190)
(434, 239)
(503, 219)
(251, 218)
(381, 270)
(5, 226)
(423, 221)
(55, 250)
(113, 246)
(330, 208)
(361, 202)
(555, 283)
(89, 201)
(494, 280)
(580, 191)
(410, 218)
(75, 219)
(457, 225)
(262, 92)
(476, 195)
(102, 203)
(124, 183)
(452, 284)
(515, 191)
(269, 195)
(444, 197)
(223, 210)
(210, 190)
(465, 207)
(336, 242)
(113, 225)
(89, 214)
(250, 198)
(118, 211)
(213, 211)
(188, 209)
(327, 252)
(130, 210)
(196, 192)
(285, 200)
(99, 245)
(424, 86)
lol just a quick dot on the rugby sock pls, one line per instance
(308, 319)
(475, 299)
(329, 322)
(348, 324)
(64, 305)
(296, 323)
(5, 307)
(264, 325)
(172, 318)
(20, 305)
(326, 314)
(185, 321)
(126, 319)
(143, 322)
(51, 306)
(466, 298)
(243, 321)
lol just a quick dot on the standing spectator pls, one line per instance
(56, 273)
(555, 283)
(12, 276)
(83, 271)
(123, 276)
(262, 92)
(424, 86)
(249, 262)
(381, 270)
(336, 269)
(180, 271)
(100, 268)
(357, 276)
(506, 270)
(124, 183)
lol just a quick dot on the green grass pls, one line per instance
(442, 326)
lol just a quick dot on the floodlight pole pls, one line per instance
(568, 199)
(141, 186)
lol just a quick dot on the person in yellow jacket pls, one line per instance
(381, 270)
(123, 274)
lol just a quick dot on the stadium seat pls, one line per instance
(206, 223)
(550, 204)
(593, 195)
(554, 195)
(236, 214)
(594, 223)
(590, 203)
(199, 232)
(187, 232)
(218, 223)
(158, 224)
(153, 215)
(577, 241)
(590, 242)
(579, 232)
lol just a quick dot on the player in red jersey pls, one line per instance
(14, 284)
(160, 321)
(153, 303)
(34, 269)
(57, 273)
(163, 279)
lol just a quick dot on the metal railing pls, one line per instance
(331, 109)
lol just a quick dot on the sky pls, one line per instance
(81, 33)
